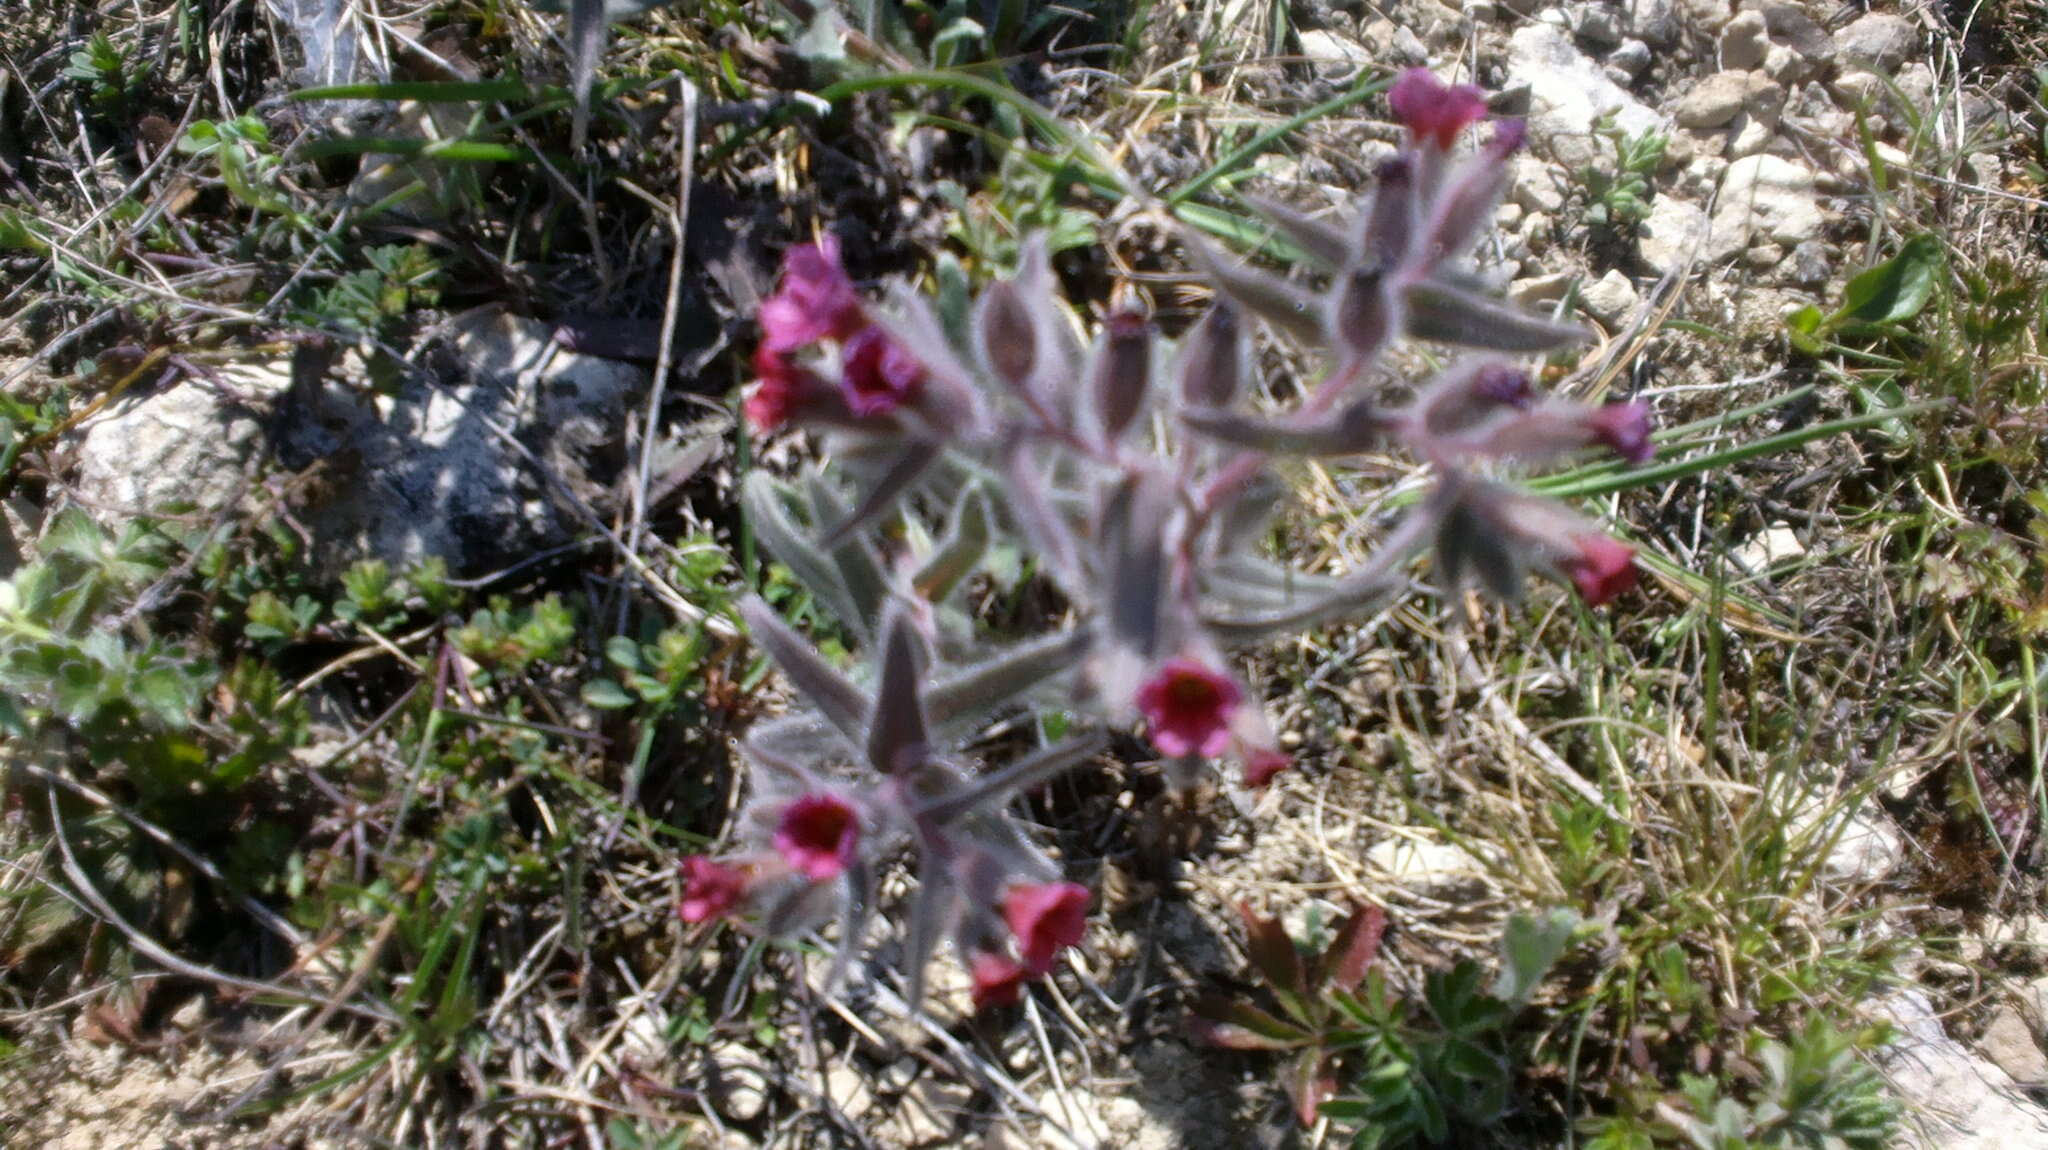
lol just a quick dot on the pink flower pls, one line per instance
(816, 299)
(1624, 427)
(877, 375)
(1187, 708)
(817, 836)
(1261, 765)
(1602, 568)
(1435, 112)
(998, 980)
(710, 889)
(1045, 917)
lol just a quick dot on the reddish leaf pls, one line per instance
(1236, 1025)
(1309, 1081)
(1272, 952)
(1350, 954)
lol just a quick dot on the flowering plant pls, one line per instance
(1137, 480)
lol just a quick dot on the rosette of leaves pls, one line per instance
(1359, 1054)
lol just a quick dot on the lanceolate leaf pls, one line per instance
(930, 918)
(1272, 952)
(1325, 243)
(859, 571)
(1131, 529)
(761, 499)
(897, 739)
(1022, 775)
(958, 553)
(1268, 297)
(1309, 1082)
(1357, 945)
(917, 456)
(839, 701)
(1349, 430)
(1440, 312)
(1236, 1025)
(988, 687)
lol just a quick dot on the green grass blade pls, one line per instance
(459, 151)
(1273, 135)
(1574, 486)
(422, 91)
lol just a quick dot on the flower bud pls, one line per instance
(1009, 341)
(1625, 428)
(1212, 366)
(710, 889)
(1122, 372)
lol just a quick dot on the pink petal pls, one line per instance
(817, 836)
(1045, 918)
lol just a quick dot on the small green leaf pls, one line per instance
(1895, 290)
(623, 653)
(1529, 947)
(12, 721)
(1806, 321)
(167, 692)
(606, 695)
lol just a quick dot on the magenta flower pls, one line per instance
(1624, 427)
(1261, 765)
(816, 300)
(1046, 918)
(710, 889)
(998, 979)
(1602, 568)
(1187, 708)
(778, 390)
(877, 375)
(1435, 112)
(817, 836)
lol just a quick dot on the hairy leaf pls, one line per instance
(965, 542)
(1268, 297)
(1325, 243)
(897, 738)
(1437, 311)
(761, 499)
(989, 686)
(840, 702)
